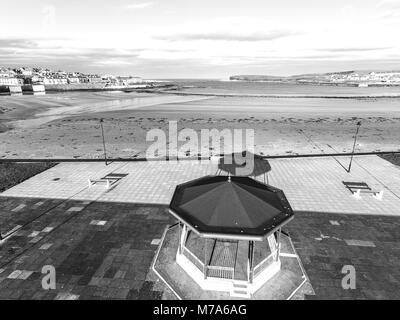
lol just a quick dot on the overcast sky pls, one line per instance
(207, 38)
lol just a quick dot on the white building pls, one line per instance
(49, 81)
(127, 81)
(73, 80)
(5, 81)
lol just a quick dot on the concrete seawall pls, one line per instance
(90, 86)
(101, 87)
(26, 88)
(11, 89)
(72, 87)
(33, 88)
(40, 88)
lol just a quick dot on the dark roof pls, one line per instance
(234, 207)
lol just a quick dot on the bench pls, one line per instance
(109, 180)
(357, 187)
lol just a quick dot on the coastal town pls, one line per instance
(346, 78)
(36, 79)
(365, 78)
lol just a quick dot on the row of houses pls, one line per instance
(6, 81)
(20, 76)
(371, 77)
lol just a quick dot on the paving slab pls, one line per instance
(376, 267)
(106, 261)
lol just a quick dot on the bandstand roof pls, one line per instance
(230, 207)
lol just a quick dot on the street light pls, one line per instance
(354, 145)
(104, 142)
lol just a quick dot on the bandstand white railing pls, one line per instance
(192, 258)
(228, 273)
(211, 271)
(264, 264)
(221, 272)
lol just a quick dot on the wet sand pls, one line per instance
(67, 125)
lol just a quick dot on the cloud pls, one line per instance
(240, 60)
(389, 4)
(140, 5)
(110, 53)
(17, 43)
(15, 52)
(227, 36)
(111, 62)
(389, 8)
(355, 49)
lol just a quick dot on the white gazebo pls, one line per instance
(229, 236)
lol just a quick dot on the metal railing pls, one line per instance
(311, 155)
(211, 271)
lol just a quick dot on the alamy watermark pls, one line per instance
(349, 280)
(203, 145)
(49, 278)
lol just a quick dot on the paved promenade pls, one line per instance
(102, 241)
(310, 184)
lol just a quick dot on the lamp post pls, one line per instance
(104, 142)
(354, 145)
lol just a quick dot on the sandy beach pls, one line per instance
(67, 125)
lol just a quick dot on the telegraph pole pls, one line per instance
(354, 145)
(104, 142)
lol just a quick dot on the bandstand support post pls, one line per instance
(205, 259)
(251, 246)
(278, 244)
(179, 238)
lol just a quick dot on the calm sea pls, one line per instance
(267, 88)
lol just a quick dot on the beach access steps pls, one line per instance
(241, 261)
(240, 290)
(108, 180)
(357, 187)
(240, 284)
